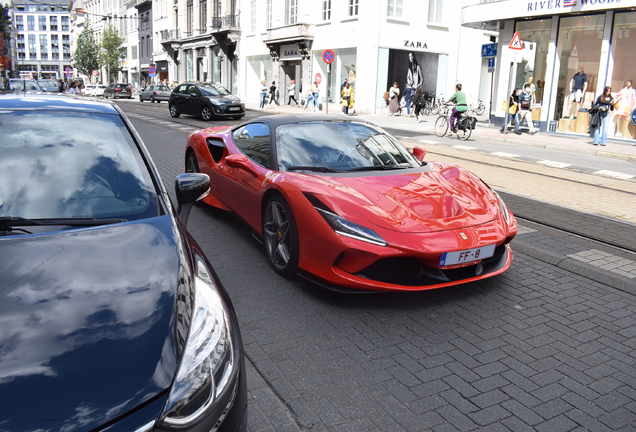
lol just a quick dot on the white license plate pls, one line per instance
(468, 255)
(235, 109)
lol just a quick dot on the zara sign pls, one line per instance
(290, 52)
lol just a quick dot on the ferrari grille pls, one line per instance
(412, 272)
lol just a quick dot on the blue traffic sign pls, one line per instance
(328, 56)
(489, 50)
(633, 116)
(491, 62)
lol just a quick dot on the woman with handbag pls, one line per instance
(513, 108)
(604, 104)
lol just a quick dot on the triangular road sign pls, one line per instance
(515, 43)
(575, 52)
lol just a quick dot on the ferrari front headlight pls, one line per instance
(503, 207)
(347, 228)
(207, 364)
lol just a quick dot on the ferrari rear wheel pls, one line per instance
(192, 166)
(281, 236)
(441, 126)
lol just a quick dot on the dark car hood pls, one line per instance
(227, 98)
(85, 323)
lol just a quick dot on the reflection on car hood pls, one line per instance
(227, 98)
(442, 198)
(85, 323)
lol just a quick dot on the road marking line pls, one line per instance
(510, 155)
(461, 147)
(429, 142)
(554, 164)
(614, 174)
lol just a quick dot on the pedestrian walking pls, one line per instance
(408, 97)
(347, 98)
(525, 107)
(291, 90)
(309, 96)
(72, 88)
(511, 114)
(394, 99)
(263, 94)
(316, 95)
(603, 105)
(273, 97)
(418, 103)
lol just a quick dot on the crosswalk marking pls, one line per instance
(429, 142)
(614, 174)
(461, 147)
(502, 154)
(554, 164)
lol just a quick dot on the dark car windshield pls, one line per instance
(49, 84)
(23, 85)
(71, 165)
(213, 90)
(343, 146)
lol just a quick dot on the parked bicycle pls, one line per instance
(463, 128)
(479, 109)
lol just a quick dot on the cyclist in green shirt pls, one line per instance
(459, 99)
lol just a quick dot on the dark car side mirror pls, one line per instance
(190, 188)
(419, 153)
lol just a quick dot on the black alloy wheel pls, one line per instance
(206, 113)
(280, 236)
(174, 111)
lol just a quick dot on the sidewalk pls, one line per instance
(619, 149)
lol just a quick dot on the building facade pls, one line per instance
(562, 39)
(41, 45)
(375, 43)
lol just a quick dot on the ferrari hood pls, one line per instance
(85, 323)
(441, 198)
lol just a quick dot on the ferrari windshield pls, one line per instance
(339, 146)
(213, 90)
(56, 164)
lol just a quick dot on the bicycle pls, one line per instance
(442, 124)
(384, 107)
(480, 108)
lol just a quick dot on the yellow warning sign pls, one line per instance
(574, 52)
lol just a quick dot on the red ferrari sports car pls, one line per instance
(346, 205)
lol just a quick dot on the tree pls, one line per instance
(112, 52)
(86, 53)
(5, 22)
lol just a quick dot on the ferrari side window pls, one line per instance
(253, 140)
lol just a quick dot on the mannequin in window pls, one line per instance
(578, 85)
(625, 103)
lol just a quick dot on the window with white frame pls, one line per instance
(253, 16)
(435, 11)
(394, 8)
(326, 10)
(268, 14)
(353, 8)
(292, 11)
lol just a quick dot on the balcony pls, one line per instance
(290, 33)
(168, 36)
(227, 22)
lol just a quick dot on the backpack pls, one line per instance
(524, 103)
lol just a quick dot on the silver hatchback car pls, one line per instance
(155, 93)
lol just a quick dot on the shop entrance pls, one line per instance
(290, 70)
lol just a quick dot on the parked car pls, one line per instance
(112, 317)
(99, 89)
(155, 93)
(346, 205)
(50, 85)
(118, 90)
(89, 90)
(205, 100)
(22, 85)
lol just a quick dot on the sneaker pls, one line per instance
(518, 132)
(594, 143)
(533, 132)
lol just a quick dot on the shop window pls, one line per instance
(579, 49)
(535, 37)
(623, 40)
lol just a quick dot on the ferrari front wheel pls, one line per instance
(280, 236)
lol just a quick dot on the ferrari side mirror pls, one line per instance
(419, 153)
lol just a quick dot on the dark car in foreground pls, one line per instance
(118, 90)
(205, 100)
(348, 206)
(111, 317)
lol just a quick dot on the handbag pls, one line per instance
(512, 109)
